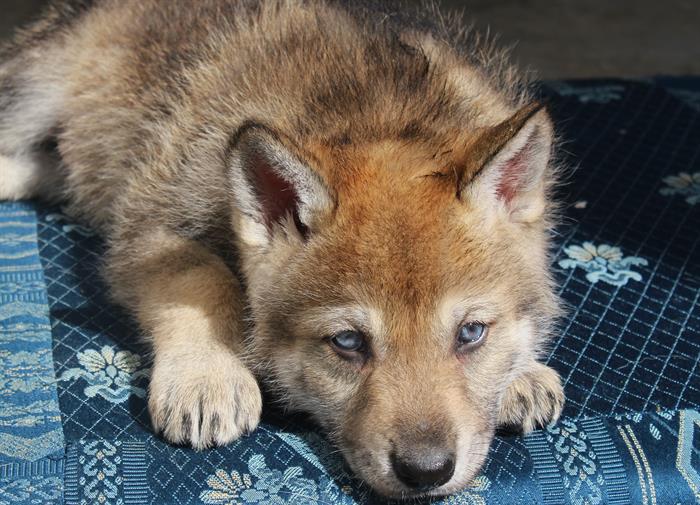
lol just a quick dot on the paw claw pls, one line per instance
(533, 400)
(203, 410)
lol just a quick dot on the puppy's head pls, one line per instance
(397, 287)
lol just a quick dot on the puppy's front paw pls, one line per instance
(203, 400)
(532, 400)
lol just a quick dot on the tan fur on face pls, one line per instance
(425, 261)
(420, 170)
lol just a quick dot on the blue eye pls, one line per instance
(471, 334)
(348, 341)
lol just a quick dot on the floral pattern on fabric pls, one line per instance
(101, 483)
(264, 486)
(110, 374)
(688, 445)
(573, 452)
(37, 490)
(603, 263)
(31, 435)
(19, 371)
(626, 350)
(683, 184)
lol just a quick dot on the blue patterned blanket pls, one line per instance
(73, 421)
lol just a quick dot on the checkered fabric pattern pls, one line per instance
(628, 267)
(631, 347)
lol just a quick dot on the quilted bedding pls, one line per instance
(74, 427)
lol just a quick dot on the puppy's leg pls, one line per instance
(30, 104)
(534, 399)
(201, 393)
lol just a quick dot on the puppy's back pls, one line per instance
(151, 90)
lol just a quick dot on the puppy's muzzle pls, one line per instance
(424, 467)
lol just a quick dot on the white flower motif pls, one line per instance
(603, 263)
(225, 487)
(684, 184)
(266, 486)
(110, 374)
(589, 252)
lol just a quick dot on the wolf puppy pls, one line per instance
(350, 205)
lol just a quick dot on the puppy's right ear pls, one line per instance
(274, 189)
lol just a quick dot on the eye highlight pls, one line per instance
(470, 335)
(348, 344)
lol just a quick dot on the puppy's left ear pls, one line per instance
(508, 165)
(274, 187)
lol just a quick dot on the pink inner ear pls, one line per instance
(277, 196)
(512, 174)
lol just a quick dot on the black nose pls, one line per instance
(424, 469)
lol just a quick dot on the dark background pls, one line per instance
(559, 38)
